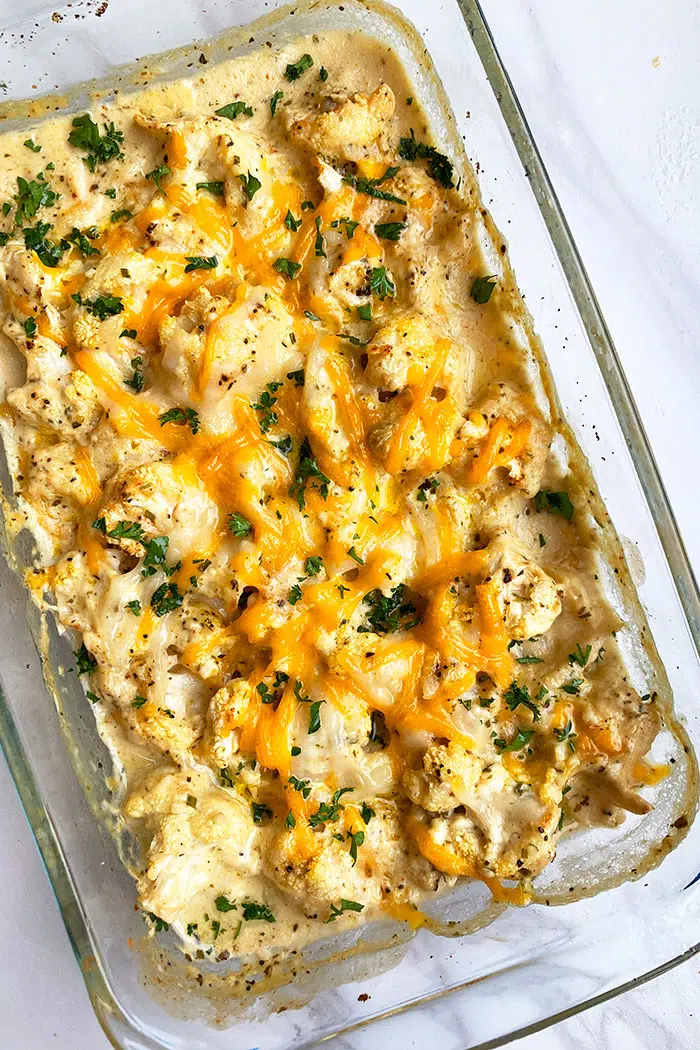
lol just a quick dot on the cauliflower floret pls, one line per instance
(126, 276)
(419, 453)
(164, 502)
(228, 710)
(25, 279)
(338, 126)
(401, 352)
(323, 409)
(387, 863)
(244, 344)
(505, 830)
(54, 395)
(193, 845)
(56, 489)
(449, 773)
(526, 467)
(528, 597)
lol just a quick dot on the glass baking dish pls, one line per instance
(528, 967)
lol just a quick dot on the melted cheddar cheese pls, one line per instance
(334, 595)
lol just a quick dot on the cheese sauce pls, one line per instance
(335, 596)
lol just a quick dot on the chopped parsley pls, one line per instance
(308, 470)
(81, 240)
(121, 213)
(295, 751)
(295, 595)
(260, 811)
(181, 417)
(573, 687)
(239, 525)
(426, 487)
(364, 312)
(322, 75)
(85, 661)
(300, 694)
(312, 566)
(482, 289)
(291, 821)
(156, 550)
(201, 262)
(380, 283)
(294, 69)
(31, 144)
(127, 530)
(102, 307)
(302, 786)
(319, 246)
(555, 503)
(315, 717)
(367, 813)
(389, 612)
(216, 187)
(30, 327)
(566, 735)
(349, 224)
(224, 904)
(345, 905)
(519, 694)
(100, 149)
(234, 109)
(356, 839)
(355, 556)
(251, 185)
(284, 445)
(157, 176)
(389, 231)
(276, 98)
(274, 695)
(160, 924)
(265, 404)
(529, 660)
(370, 187)
(439, 167)
(329, 811)
(257, 912)
(136, 381)
(521, 738)
(291, 223)
(287, 267)
(580, 656)
(139, 701)
(35, 240)
(166, 598)
(92, 697)
(297, 376)
(134, 607)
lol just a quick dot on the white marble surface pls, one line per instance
(612, 92)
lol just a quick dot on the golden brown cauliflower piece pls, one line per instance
(338, 126)
(528, 597)
(164, 502)
(387, 864)
(507, 829)
(449, 772)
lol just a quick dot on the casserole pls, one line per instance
(512, 922)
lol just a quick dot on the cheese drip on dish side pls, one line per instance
(293, 490)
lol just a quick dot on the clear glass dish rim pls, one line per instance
(627, 413)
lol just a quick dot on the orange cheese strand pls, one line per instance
(502, 444)
(130, 414)
(494, 640)
(88, 475)
(399, 445)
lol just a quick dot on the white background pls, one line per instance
(612, 92)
